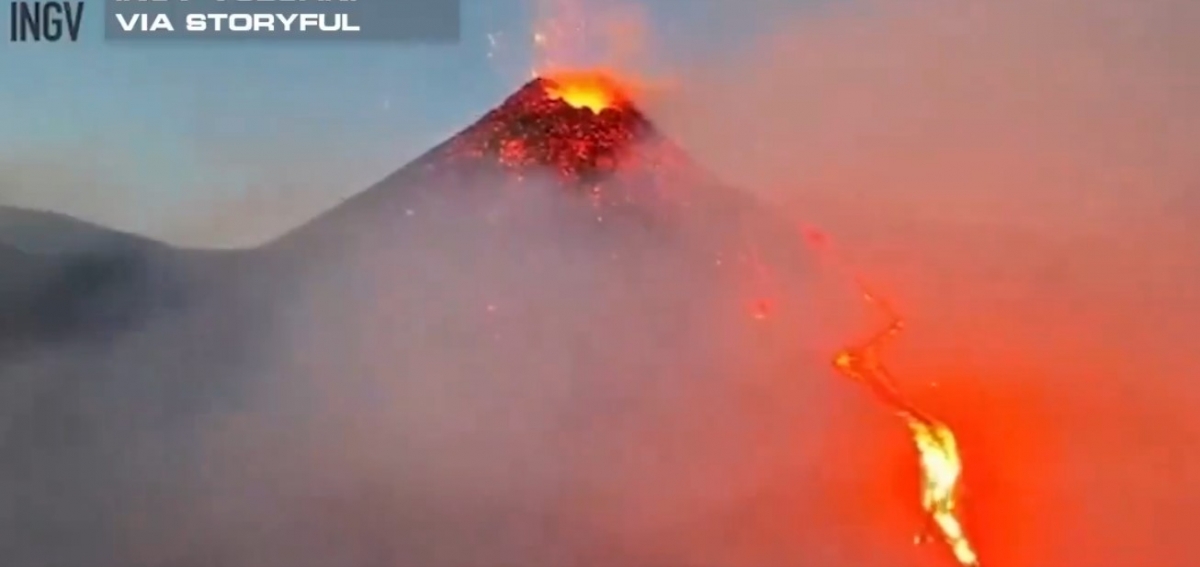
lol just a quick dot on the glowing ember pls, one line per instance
(941, 467)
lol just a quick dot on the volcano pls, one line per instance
(529, 297)
(580, 133)
(581, 127)
(584, 128)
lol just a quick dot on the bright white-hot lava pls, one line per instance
(937, 449)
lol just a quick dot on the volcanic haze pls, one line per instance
(551, 340)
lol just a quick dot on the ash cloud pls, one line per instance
(1021, 176)
(480, 375)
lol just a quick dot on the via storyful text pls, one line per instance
(388, 20)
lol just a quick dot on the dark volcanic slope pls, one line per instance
(64, 281)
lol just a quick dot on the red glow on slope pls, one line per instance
(937, 449)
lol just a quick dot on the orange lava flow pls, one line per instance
(594, 91)
(939, 460)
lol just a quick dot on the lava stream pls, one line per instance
(940, 464)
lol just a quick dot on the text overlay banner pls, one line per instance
(421, 21)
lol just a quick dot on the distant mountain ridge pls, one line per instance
(46, 232)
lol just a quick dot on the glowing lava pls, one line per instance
(592, 90)
(939, 461)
